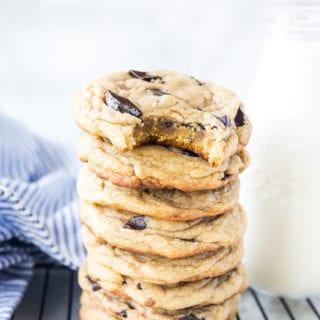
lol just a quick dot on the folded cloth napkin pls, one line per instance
(38, 209)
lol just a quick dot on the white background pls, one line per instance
(49, 48)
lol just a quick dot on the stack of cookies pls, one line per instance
(159, 197)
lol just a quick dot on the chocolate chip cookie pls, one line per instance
(161, 270)
(163, 107)
(159, 203)
(170, 297)
(154, 166)
(171, 239)
(98, 305)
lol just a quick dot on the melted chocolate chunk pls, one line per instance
(122, 104)
(168, 124)
(225, 120)
(130, 306)
(189, 153)
(191, 317)
(136, 223)
(239, 119)
(225, 176)
(158, 92)
(197, 81)
(94, 285)
(122, 314)
(139, 286)
(143, 75)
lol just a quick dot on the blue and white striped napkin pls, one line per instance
(38, 209)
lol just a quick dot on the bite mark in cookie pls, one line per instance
(133, 109)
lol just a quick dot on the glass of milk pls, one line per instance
(281, 190)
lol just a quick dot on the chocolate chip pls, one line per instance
(94, 285)
(225, 120)
(197, 81)
(136, 223)
(139, 286)
(168, 124)
(122, 314)
(187, 125)
(191, 317)
(239, 118)
(143, 75)
(189, 153)
(122, 104)
(225, 176)
(157, 92)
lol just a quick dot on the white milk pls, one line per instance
(281, 190)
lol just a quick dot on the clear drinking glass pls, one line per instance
(281, 190)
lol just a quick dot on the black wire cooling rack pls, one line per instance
(54, 295)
